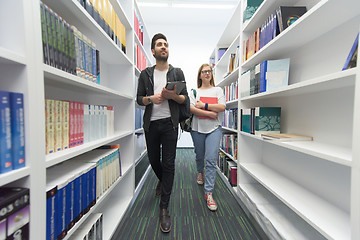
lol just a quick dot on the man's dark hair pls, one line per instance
(156, 37)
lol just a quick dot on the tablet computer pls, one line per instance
(179, 86)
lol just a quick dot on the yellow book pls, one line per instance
(49, 118)
(123, 37)
(58, 126)
(117, 30)
(112, 22)
(65, 125)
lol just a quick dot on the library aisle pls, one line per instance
(190, 217)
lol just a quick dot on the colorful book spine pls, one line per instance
(5, 133)
(50, 128)
(17, 129)
(51, 213)
(58, 126)
(44, 34)
(263, 69)
(65, 125)
(246, 120)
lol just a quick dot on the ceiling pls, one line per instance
(186, 12)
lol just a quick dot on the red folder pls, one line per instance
(208, 100)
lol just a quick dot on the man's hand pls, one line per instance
(168, 94)
(157, 99)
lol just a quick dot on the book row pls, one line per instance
(66, 48)
(15, 213)
(12, 133)
(228, 168)
(92, 229)
(69, 124)
(140, 59)
(230, 118)
(104, 14)
(74, 186)
(277, 22)
(229, 144)
(139, 113)
(231, 91)
(138, 27)
(265, 76)
(260, 120)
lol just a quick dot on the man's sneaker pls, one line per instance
(200, 178)
(211, 204)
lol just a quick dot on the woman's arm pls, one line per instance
(211, 107)
(203, 113)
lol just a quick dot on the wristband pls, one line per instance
(206, 106)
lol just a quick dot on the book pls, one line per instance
(15, 212)
(232, 62)
(17, 129)
(58, 126)
(352, 57)
(285, 137)
(246, 120)
(221, 52)
(245, 83)
(44, 34)
(277, 73)
(262, 81)
(266, 120)
(287, 15)
(5, 133)
(208, 100)
(65, 124)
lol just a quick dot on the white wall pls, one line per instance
(192, 35)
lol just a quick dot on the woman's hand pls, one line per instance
(212, 115)
(200, 105)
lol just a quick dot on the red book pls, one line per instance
(208, 100)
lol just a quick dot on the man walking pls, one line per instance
(161, 120)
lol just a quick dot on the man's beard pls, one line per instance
(160, 57)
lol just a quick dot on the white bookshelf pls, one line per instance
(315, 183)
(23, 70)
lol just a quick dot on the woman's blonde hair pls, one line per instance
(199, 81)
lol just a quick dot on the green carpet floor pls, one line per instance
(191, 218)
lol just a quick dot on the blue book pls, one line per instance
(61, 226)
(17, 129)
(263, 69)
(277, 73)
(5, 133)
(267, 120)
(246, 120)
(51, 213)
(353, 49)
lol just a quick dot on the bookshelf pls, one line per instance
(312, 188)
(23, 70)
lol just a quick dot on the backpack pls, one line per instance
(186, 124)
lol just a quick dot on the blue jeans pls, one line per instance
(207, 150)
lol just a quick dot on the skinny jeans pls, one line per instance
(161, 140)
(206, 154)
